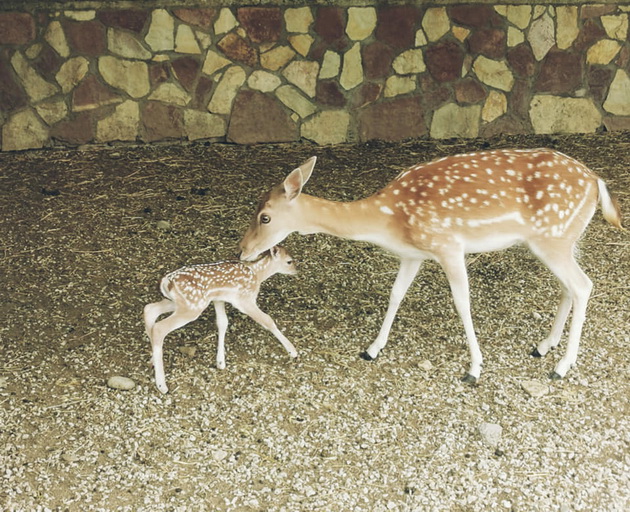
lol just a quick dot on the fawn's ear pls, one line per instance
(274, 251)
(294, 182)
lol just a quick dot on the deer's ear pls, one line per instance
(294, 182)
(274, 251)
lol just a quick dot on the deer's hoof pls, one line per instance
(469, 379)
(555, 376)
(535, 353)
(366, 356)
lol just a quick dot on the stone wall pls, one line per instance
(322, 73)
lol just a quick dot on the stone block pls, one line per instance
(224, 93)
(328, 93)
(329, 24)
(71, 73)
(331, 64)
(186, 71)
(590, 33)
(393, 120)
(258, 117)
(398, 85)
(603, 52)
(47, 62)
(214, 62)
(328, 127)
(556, 114)
(294, 100)
(238, 49)
(203, 125)
(56, 38)
(599, 80)
(616, 123)
(361, 23)
(396, 25)
(276, 58)
(298, 20)
(473, 15)
(541, 36)
(352, 69)
(367, 93)
(451, 120)
(263, 81)
(126, 44)
(201, 18)
(377, 59)
(444, 61)
(185, 41)
(469, 91)
(160, 121)
(23, 130)
(490, 42)
(519, 15)
(618, 99)
(434, 93)
(225, 22)
(567, 28)
(560, 72)
(170, 93)
(301, 43)
(494, 73)
(16, 28)
(128, 19)
(203, 93)
(12, 93)
(495, 106)
(52, 111)
(616, 26)
(85, 37)
(76, 130)
(435, 23)
(91, 94)
(522, 60)
(121, 125)
(127, 75)
(161, 34)
(262, 24)
(409, 62)
(303, 74)
(35, 86)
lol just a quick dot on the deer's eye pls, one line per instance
(265, 219)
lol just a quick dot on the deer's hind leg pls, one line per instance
(560, 259)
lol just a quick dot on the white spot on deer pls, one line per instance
(539, 194)
(386, 210)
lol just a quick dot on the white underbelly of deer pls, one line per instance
(444, 209)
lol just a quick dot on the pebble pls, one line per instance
(491, 434)
(188, 351)
(163, 225)
(219, 455)
(535, 388)
(426, 365)
(122, 383)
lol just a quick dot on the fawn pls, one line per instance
(190, 290)
(444, 209)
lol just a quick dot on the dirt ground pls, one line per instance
(86, 235)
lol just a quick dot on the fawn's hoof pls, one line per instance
(366, 356)
(535, 353)
(555, 376)
(469, 379)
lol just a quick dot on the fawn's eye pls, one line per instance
(265, 219)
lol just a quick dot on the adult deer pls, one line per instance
(442, 210)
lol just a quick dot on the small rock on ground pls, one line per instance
(122, 383)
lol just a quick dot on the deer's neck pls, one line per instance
(364, 219)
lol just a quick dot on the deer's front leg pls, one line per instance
(454, 264)
(406, 274)
(222, 324)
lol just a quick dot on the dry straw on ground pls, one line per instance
(86, 235)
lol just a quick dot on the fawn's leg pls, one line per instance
(153, 311)
(255, 313)
(160, 331)
(222, 324)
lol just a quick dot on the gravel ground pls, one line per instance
(87, 234)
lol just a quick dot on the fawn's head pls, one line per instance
(276, 215)
(282, 261)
